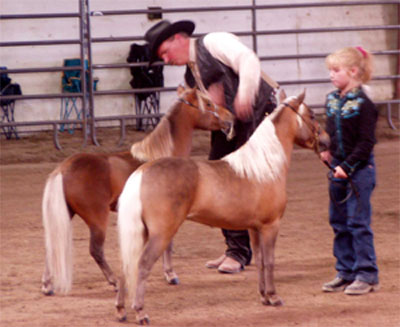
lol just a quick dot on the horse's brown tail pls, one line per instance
(58, 233)
(131, 229)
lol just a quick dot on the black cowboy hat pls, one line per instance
(162, 31)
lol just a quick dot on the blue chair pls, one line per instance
(71, 83)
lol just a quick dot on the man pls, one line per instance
(230, 73)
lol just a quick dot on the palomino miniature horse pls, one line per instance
(244, 190)
(89, 185)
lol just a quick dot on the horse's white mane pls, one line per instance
(262, 156)
(159, 143)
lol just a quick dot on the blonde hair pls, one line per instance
(353, 57)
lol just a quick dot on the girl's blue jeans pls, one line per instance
(353, 244)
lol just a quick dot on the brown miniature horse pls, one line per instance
(89, 185)
(244, 190)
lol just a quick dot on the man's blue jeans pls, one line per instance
(353, 244)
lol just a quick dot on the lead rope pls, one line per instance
(200, 85)
(353, 188)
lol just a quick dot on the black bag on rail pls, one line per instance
(8, 88)
(144, 76)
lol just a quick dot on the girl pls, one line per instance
(351, 122)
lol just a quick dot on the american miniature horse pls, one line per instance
(244, 190)
(89, 185)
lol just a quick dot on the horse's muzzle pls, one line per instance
(229, 130)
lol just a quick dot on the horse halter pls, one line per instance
(315, 131)
(201, 97)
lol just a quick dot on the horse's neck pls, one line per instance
(171, 137)
(285, 126)
(182, 128)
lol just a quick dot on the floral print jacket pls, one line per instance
(351, 122)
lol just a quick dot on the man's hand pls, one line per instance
(243, 108)
(216, 93)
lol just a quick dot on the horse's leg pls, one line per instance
(255, 245)
(154, 248)
(120, 302)
(268, 235)
(169, 273)
(47, 283)
(97, 238)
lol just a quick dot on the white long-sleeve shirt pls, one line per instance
(228, 49)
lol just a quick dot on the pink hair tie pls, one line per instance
(363, 52)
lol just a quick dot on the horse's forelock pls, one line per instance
(290, 99)
(302, 110)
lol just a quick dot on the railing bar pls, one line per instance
(269, 32)
(90, 68)
(39, 16)
(82, 51)
(127, 65)
(44, 42)
(55, 137)
(389, 116)
(164, 89)
(327, 29)
(320, 55)
(122, 131)
(78, 121)
(197, 9)
(39, 69)
(240, 8)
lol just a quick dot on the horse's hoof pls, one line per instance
(47, 292)
(121, 314)
(273, 300)
(113, 282)
(172, 278)
(143, 320)
(173, 281)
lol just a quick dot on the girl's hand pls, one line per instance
(325, 156)
(339, 173)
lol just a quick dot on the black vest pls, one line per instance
(211, 71)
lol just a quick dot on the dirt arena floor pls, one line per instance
(304, 259)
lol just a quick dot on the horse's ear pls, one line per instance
(180, 89)
(282, 95)
(301, 96)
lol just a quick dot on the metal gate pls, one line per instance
(84, 40)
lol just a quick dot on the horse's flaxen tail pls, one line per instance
(58, 233)
(131, 229)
